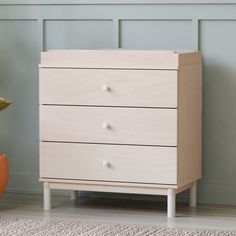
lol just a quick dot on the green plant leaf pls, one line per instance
(4, 104)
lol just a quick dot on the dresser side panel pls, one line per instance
(189, 124)
(191, 58)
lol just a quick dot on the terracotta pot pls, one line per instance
(4, 173)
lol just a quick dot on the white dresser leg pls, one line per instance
(193, 195)
(47, 196)
(74, 195)
(171, 203)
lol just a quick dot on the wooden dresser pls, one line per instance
(121, 121)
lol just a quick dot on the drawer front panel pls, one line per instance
(108, 162)
(141, 88)
(109, 125)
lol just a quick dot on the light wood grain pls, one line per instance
(126, 126)
(140, 88)
(124, 163)
(109, 183)
(123, 59)
(110, 188)
(189, 124)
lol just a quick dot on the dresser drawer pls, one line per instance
(108, 162)
(141, 88)
(145, 126)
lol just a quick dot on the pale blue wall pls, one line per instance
(26, 29)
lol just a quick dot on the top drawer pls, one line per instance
(102, 87)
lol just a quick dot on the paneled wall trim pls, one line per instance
(28, 27)
(117, 2)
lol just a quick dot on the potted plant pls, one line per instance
(4, 171)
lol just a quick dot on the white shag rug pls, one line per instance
(46, 226)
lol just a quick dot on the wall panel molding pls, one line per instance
(195, 36)
(156, 33)
(116, 2)
(41, 33)
(196, 20)
(116, 33)
(78, 33)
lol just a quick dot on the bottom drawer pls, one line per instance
(120, 163)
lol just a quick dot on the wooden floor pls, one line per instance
(119, 211)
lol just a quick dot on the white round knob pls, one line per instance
(105, 125)
(105, 87)
(105, 163)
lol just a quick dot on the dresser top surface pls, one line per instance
(119, 59)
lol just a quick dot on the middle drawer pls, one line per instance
(141, 126)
